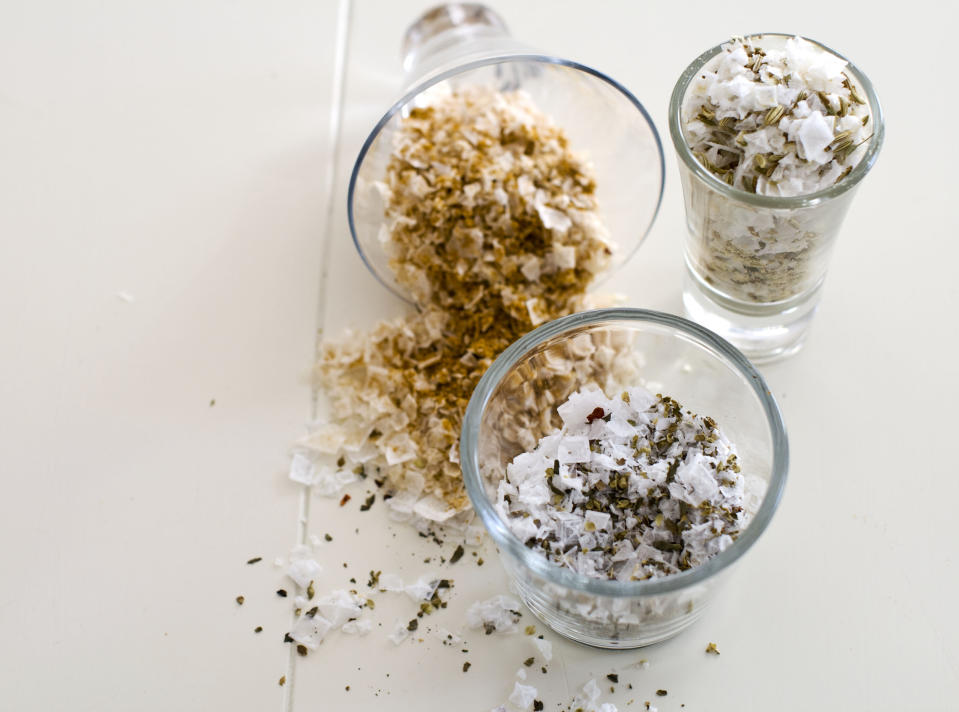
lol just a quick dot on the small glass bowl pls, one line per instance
(764, 300)
(665, 354)
(604, 122)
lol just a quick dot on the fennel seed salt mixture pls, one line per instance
(630, 488)
(491, 216)
(492, 224)
(771, 119)
(776, 122)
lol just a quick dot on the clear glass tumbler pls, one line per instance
(514, 405)
(459, 45)
(756, 263)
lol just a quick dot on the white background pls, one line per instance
(193, 157)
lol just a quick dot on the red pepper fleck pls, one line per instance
(595, 415)
(346, 498)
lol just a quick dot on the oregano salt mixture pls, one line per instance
(630, 488)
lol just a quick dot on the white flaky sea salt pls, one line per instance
(587, 699)
(776, 121)
(778, 118)
(629, 488)
(337, 609)
(302, 571)
(545, 648)
(522, 696)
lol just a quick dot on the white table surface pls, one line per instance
(173, 234)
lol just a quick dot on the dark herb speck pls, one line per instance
(457, 554)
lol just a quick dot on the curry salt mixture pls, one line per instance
(492, 225)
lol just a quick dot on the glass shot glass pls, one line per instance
(514, 406)
(460, 45)
(755, 264)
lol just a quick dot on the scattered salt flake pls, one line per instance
(310, 630)
(361, 626)
(422, 589)
(500, 613)
(400, 633)
(301, 469)
(338, 607)
(303, 571)
(591, 691)
(522, 696)
(125, 297)
(390, 582)
(328, 482)
(545, 648)
(433, 508)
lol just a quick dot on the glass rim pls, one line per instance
(537, 563)
(775, 201)
(514, 56)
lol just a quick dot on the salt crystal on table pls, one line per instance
(358, 627)
(301, 469)
(545, 648)
(310, 631)
(303, 571)
(499, 613)
(338, 607)
(522, 696)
